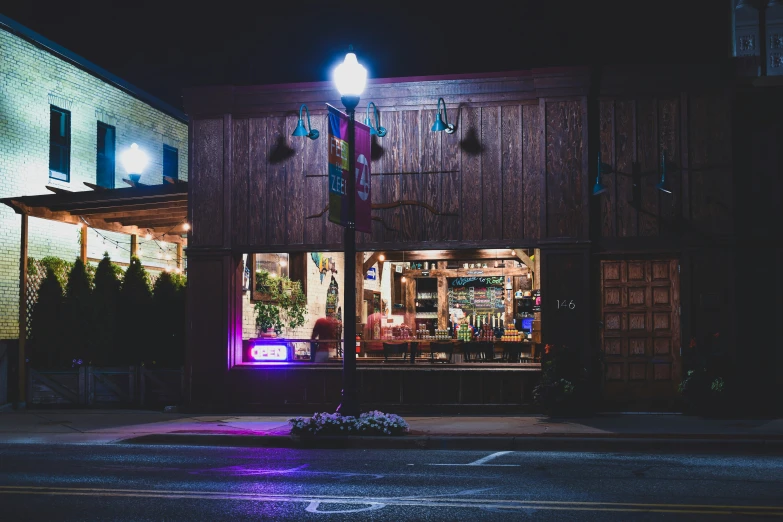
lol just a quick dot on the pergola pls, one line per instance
(158, 210)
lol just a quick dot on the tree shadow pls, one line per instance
(470, 143)
(280, 151)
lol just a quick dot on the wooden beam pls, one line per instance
(94, 186)
(145, 217)
(464, 272)
(180, 261)
(172, 181)
(135, 183)
(22, 368)
(467, 255)
(111, 205)
(370, 262)
(525, 259)
(134, 246)
(83, 243)
(124, 209)
(58, 190)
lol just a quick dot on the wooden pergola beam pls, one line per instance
(172, 205)
(139, 218)
(467, 255)
(525, 259)
(65, 217)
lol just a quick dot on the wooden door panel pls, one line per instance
(640, 334)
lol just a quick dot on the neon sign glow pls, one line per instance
(269, 352)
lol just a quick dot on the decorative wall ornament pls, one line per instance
(776, 41)
(324, 264)
(776, 60)
(746, 42)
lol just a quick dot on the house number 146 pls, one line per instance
(565, 303)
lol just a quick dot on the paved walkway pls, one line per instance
(107, 426)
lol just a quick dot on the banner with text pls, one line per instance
(338, 171)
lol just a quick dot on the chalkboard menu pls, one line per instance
(476, 294)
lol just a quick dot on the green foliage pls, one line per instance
(563, 387)
(133, 305)
(103, 331)
(287, 303)
(77, 313)
(59, 267)
(708, 364)
(168, 323)
(46, 323)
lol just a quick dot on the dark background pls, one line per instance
(163, 46)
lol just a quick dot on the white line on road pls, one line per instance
(483, 461)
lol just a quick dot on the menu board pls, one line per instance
(476, 294)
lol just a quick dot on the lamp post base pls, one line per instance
(349, 405)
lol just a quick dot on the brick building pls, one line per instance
(63, 122)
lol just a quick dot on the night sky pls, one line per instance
(163, 46)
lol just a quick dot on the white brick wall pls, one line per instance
(29, 78)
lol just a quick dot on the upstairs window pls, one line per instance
(170, 163)
(105, 147)
(59, 144)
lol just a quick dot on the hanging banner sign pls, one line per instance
(338, 171)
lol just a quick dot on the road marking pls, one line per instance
(483, 461)
(506, 505)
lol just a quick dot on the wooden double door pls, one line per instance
(640, 334)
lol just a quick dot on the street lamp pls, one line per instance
(135, 161)
(350, 78)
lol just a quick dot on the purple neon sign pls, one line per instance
(269, 352)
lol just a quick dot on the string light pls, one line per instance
(186, 226)
(381, 258)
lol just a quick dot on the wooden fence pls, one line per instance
(121, 387)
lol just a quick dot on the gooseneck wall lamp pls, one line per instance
(375, 130)
(442, 119)
(300, 129)
(599, 188)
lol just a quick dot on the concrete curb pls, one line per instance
(528, 443)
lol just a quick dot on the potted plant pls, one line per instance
(563, 388)
(704, 386)
(268, 319)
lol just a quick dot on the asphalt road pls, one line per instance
(131, 482)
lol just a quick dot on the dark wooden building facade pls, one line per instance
(646, 270)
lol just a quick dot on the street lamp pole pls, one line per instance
(350, 78)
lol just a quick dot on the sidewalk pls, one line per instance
(603, 432)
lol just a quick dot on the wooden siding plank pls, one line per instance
(451, 186)
(512, 188)
(257, 195)
(239, 182)
(606, 146)
(669, 132)
(649, 159)
(491, 174)
(431, 164)
(279, 152)
(410, 179)
(624, 151)
(207, 182)
(564, 168)
(392, 166)
(471, 173)
(531, 170)
(295, 171)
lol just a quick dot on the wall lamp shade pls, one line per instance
(135, 161)
(599, 188)
(375, 130)
(442, 119)
(664, 185)
(350, 76)
(301, 130)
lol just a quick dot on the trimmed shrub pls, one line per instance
(370, 423)
(103, 332)
(133, 306)
(77, 313)
(168, 312)
(47, 324)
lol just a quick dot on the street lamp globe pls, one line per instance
(134, 160)
(350, 78)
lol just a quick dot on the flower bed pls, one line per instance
(370, 423)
